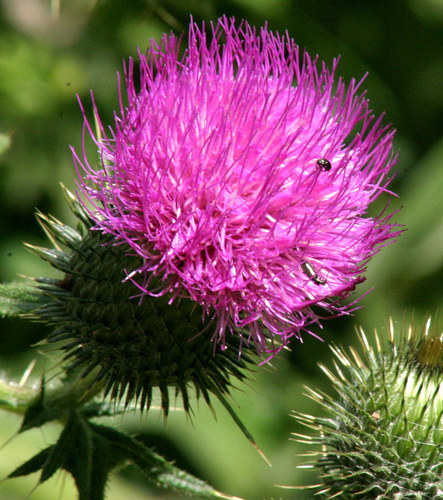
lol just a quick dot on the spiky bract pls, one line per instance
(384, 434)
(242, 175)
(133, 346)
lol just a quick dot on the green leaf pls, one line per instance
(72, 452)
(58, 404)
(18, 298)
(38, 413)
(156, 469)
(34, 464)
(90, 452)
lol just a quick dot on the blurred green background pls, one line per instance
(52, 50)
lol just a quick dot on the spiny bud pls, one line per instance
(384, 436)
(130, 345)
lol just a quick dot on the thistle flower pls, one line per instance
(241, 174)
(383, 437)
(115, 344)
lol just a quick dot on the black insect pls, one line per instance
(324, 165)
(309, 270)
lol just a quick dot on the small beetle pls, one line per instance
(324, 165)
(309, 270)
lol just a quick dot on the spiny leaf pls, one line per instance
(156, 469)
(57, 403)
(89, 452)
(72, 452)
(39, 412)
(32, 465)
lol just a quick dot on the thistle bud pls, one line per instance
(384, 434)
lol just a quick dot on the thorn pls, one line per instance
(28, 371)
(265, 458)
(66, 192)
(8, 441)
(218, 494)
(32, 490)
(245, 431)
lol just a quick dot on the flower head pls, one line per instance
(241, 174)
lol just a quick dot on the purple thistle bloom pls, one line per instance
(241, 174)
